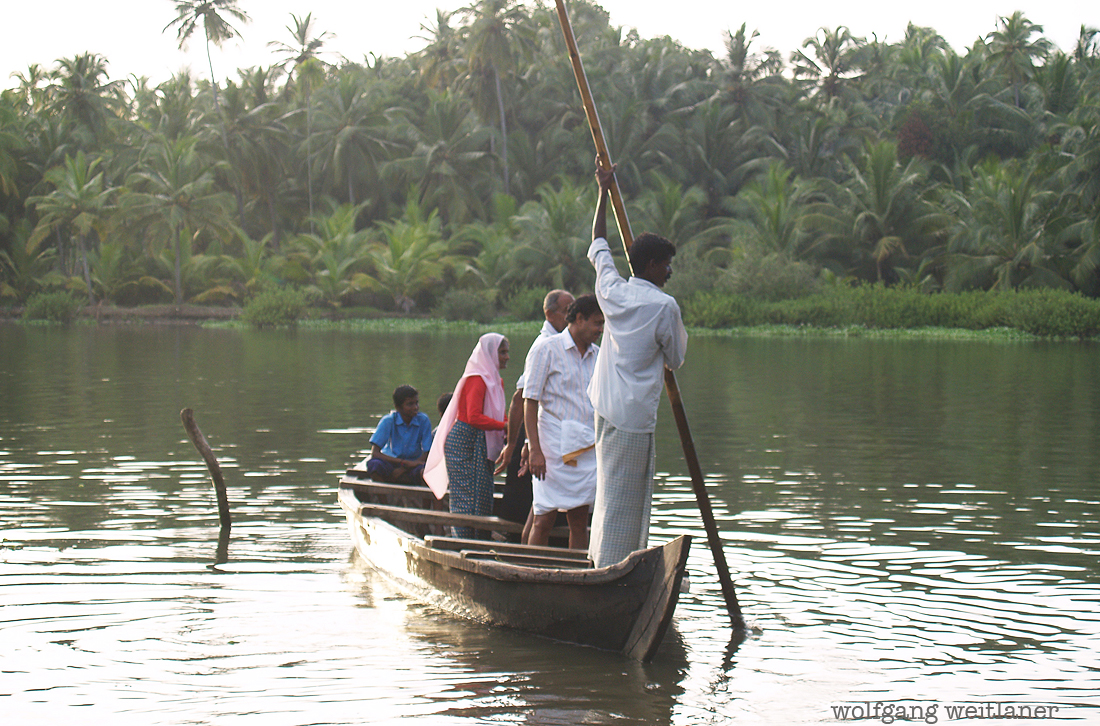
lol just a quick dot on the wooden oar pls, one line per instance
(671, 387)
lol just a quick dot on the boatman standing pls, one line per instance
(643, 334)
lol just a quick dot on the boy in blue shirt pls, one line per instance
(400, 443)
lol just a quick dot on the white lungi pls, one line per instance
(565, 487)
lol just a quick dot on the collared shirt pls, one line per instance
(403, 440)
(558, 375)
(643, 333)
(547, 331)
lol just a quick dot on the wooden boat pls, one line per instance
(402, 532)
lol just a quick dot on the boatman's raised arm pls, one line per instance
(643, 334)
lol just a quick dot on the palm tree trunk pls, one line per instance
(309, 158)
(222, 129)
(179, 283)
(87, 272)
(213, 81)
(503, 129)
(65, 266)
(275, 236)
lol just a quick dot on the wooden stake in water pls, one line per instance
(188, 418)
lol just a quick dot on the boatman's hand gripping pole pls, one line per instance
(671, 387)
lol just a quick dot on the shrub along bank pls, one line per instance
(1043, 312)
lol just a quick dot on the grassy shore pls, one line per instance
(840, 311)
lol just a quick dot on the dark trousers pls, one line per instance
(516, 502)
(380, 470)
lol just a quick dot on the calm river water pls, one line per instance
(912, 527)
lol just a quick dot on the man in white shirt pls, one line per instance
(516, 503)
(644, 334)
(560, 423)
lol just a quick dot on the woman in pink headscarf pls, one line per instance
(470, 436)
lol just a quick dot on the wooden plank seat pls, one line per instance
(460, 544)
(447, 519)
(370, 487)
(556, 563)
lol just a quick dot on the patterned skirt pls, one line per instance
(471, 475)
(625, 464)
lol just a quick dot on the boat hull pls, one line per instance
(625, 607)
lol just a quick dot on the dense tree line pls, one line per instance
(466, 167)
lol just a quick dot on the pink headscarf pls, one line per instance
(483, 362)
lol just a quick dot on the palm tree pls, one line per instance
(171, 108)
(26, 269)
(191, 13)
(11, 139)
(880, 215)
(31, 87)
(1059, 82)
(775, 204)
(257, 153)
(715, 150)
(554, 237)
(337, 254)
(308, 71)
(306, 45)
(256, 266)
(495, 37)
(412, 259)
(664, 207)
(751, 80)
(447, 160)
(915, 55)
(174, 196)
(79, 91)
(441, 62)
(1013, 53)
(350, 140)
(1004, 237)
(1087, 47)
(79, 203)
(833, 58)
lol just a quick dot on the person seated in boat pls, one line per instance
(441, 404)
(560, 423)
(401, 442)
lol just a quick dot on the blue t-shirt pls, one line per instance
(403, 440)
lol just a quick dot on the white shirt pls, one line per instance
(547, 331)
(643, 333)
(558, 376)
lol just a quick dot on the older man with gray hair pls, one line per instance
(516, 504)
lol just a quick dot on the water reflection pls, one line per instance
(488, 674)
(902, 521)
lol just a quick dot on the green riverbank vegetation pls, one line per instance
(853, 182)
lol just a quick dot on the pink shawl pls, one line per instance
(484, 362)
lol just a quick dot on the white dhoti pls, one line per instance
(566, 485)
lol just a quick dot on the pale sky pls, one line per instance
(129, 32)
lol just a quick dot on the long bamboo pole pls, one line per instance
(671, 386)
